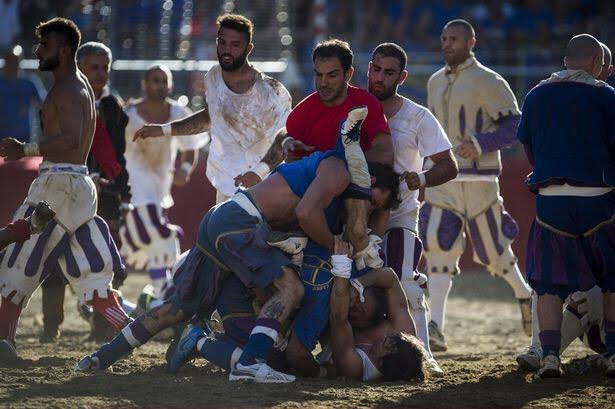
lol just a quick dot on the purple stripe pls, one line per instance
(84, 238)
(594, 339)
(129, 240)
(395, 250)
(462, 120)
(34, 260)
(163, 230)
(424, 215)
(557, 244)
(533, 254)
(609, 326)
(362, 191)
(477, 241)
(574, 311)
(18, 246)
(51, 262)
(493, 228)
(72, 268)
(550, 338)
(115, 254)
(418, 251)
(141, 230)
(449, 229)
(268, 323)
(478, 127)
(476, 171)
(157, 273)
(139, 331)
(510, 228)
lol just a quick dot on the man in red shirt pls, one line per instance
(313, 126)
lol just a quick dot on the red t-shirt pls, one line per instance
(316, 124)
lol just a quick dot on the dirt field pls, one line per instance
(484, 335)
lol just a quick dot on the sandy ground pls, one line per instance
(484, 334)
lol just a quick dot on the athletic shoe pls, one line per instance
(351, 127)
(610, 367)
(437, 342)
(8, 353)
(49, 336)
(529, 359)
(144, 301)
(292, 242)
(550, 367)
(40, 217)
(434, 367)
(89, 363)
(525, 304)
(186, 349)
(260, 373)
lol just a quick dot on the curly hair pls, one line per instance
(407, 362)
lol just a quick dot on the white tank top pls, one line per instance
(370, 372)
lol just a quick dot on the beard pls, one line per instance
(384, 93)
(49, 64)
(331, 93)
(235, 63)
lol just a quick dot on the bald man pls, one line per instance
(607, 67)
(572, 240)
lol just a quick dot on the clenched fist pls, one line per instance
(246, 180)
(148, 131)
(11, 149)
(412, 180)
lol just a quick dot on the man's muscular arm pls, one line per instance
(194, 124)
(331, 180)
(443, 170)
(382, 149)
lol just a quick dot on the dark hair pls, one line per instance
(159, 67)
(334, 48)
(467, 27)
(392, 50)
(236, 22)
(63, 27)
(381, 304)
(386, 178)
(407, 362)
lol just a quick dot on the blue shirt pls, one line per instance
(16, 97)
(569, 128)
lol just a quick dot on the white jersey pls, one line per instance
(243, 126)
(150, 162)
(416, 134)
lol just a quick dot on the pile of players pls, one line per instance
(320, 243)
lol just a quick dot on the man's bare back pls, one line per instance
(69, 113)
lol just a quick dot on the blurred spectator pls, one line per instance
(9, 22)
(17, 93)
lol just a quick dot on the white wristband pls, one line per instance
(286, 140)
(359, 287)
(261, 169)
(341, 265)
(186, 167)
(166, 129)
(31, 149)
(422, 179)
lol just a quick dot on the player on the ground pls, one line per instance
(107, 166)
(244, 109)
(530, 357)
(570, 246)
(77, 239)
(148, 238)
(416, 135)
(479, 113)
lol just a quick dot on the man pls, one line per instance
(233, 238)
(244, 109)
(387, 351)
(569, 250)
(479, 113)
(530, 357)
(416, 135)
(313, 125)
(17, 95)
(148, 238)
(107, 165)
(77, 240)
(22, 229)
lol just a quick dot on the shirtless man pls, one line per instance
(77, 240)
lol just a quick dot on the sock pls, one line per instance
(572, 326)
(132, 336)
(516, 281)
(220, 353)
(262, 337)
(159, 277)
(110, 309)
(550, 340)
(439, 286)
(609, 337)
(420, 322)
(9, 317)
(535, 326)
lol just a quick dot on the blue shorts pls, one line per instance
(237, 310)
(571, 246)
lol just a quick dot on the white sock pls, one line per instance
(439, 285)
(516, 281)
(535, 326)
(420, 322)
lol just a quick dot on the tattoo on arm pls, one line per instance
(275, 155)
(196, 123)
(273, 309)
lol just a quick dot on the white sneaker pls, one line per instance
(610, 367)
(259, 373)
(89, 363)
(434, 367)
(550, 367)
(529, 359)
(351, 128)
